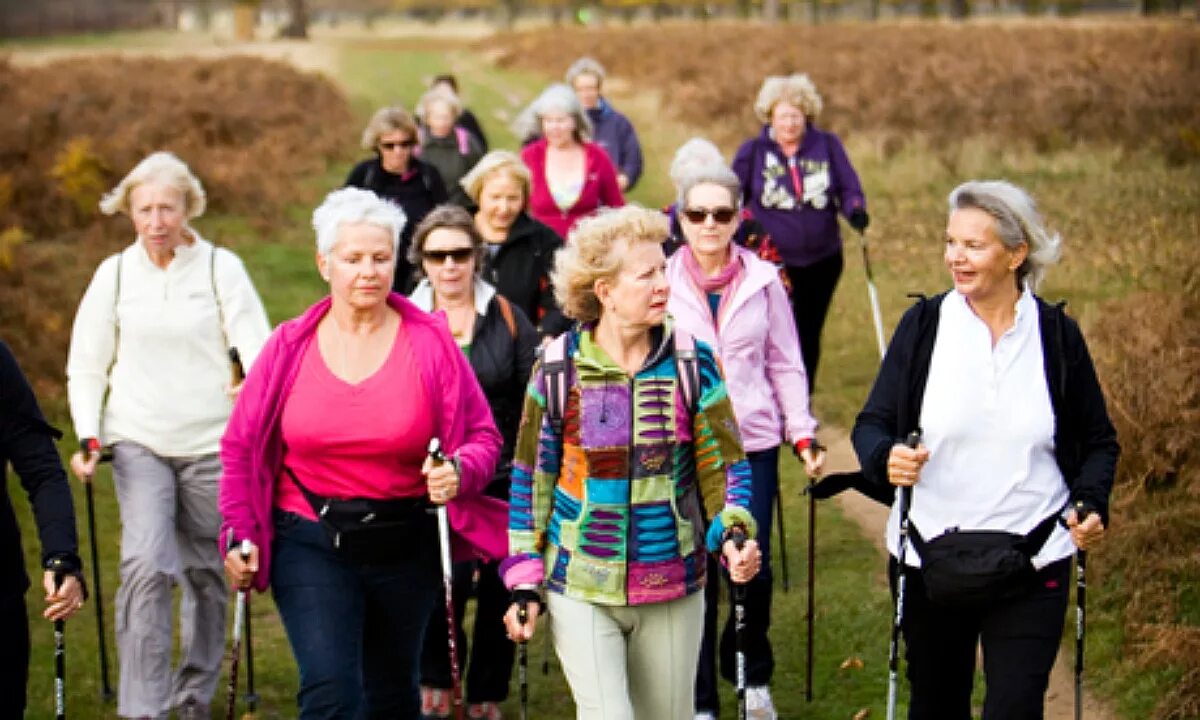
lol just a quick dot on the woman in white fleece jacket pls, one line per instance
(153, 331)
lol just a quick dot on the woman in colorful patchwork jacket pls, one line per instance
(629, 467)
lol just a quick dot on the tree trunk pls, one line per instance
(297, 26)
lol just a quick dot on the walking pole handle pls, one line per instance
(237, 371)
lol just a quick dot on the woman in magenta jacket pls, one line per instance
(728, 298)
(337, 413)
(572, 177)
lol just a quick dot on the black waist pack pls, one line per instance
(965, 568)
(366, 531)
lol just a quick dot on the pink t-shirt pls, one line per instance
(363, 440)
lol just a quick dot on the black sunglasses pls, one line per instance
(721, 215)
(395, 145)
(438, 257)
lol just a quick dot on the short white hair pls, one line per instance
(353, 206)
(695, 153)
(436, 95)
(163, 168)
(712, 173)
(1015, 220)
(556, 98)
(585, 66)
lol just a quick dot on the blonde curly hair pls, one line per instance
(796, 89)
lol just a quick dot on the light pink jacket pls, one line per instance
(252, 448)
(755, 339)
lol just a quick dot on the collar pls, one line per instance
(422, 295)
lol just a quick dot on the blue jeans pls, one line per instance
(356, 631)
(760, 659)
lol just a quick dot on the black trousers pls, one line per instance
(1020, 638)
(812, 292)
(14, 655)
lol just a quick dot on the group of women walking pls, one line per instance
(608, 421)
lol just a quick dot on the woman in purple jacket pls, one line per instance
(326, 471)
(795, 180)
(728, 298)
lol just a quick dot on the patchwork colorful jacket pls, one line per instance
(610, 511)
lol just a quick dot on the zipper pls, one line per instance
(629, 495)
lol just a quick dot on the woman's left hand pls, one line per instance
(232, 391)
(814, 460)
(441, 479)
(1086, 533)
(65, 601)
(743, 564)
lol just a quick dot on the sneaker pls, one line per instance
(484, 711)
(705, 715)
(759, 705)
(435, 703)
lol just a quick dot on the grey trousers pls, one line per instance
(169, 528)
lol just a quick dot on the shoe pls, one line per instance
(705, 715)
(435, 703)
(485, 711)
(192, 710)
(759, 705)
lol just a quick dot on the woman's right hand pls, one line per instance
(518, 632)
(84, 466)
(904, 464)
(241, 572)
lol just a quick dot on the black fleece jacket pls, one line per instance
(520, 271)
(1085, 442)
(27, 441)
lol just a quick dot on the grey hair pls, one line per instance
(797, 89)
(693, 154)
(438, 94)
(585, 66)
(1015, 220)
(163, 168)
(353, 206)
(557, 97)
(710, 174)
(384, 121)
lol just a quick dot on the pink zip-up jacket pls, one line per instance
(755, 339)
(252, 448)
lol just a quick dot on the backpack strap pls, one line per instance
(506, 311)
(212, 277)
(687, 365)
(464, 140)
(554, 372)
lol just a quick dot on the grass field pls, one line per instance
(1130, 223)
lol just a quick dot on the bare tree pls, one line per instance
(297, 26)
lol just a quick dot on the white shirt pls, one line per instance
(989, 426)
(165, 346)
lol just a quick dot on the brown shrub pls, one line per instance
(1147, 349)
(252, 130)
(1049, 86)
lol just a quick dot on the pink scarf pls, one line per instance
(726, 282)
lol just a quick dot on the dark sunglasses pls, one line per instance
(438, 257)
(722, 216)
(406, 144)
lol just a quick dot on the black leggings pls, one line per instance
(1020, 638)
(812, 292)
(14, 657)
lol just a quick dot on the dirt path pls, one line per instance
(872, 518)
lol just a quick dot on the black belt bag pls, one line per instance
(964, 568)
(366, 531)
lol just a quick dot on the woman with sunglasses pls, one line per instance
(398, 176)
(500, 342)
(728, 298)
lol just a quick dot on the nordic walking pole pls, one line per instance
(1081, 513)
(913, 440)
(106, 688)
(237, 375)
(738, 536)
(439, 457)
(60, 649)
(523, 662)
(783, 563)
(812, 578)
(872, 293)
(239, 614)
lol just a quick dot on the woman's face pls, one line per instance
(980, 265)
(787, 122)
(558, 128)
(395, 151)
(360, 266)
(448, 260)
(636, 298)
(159, 214)
(501, 200)
(439, 117)
(709, 219)
(587, 89)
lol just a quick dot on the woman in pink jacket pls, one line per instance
(326, 471)
(731, 300)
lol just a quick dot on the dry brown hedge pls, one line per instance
(253, 131)
(1050, 86)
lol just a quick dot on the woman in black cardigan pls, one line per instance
(1016, 440)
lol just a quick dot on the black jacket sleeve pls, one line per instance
(1094, 437)
(27, 441)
